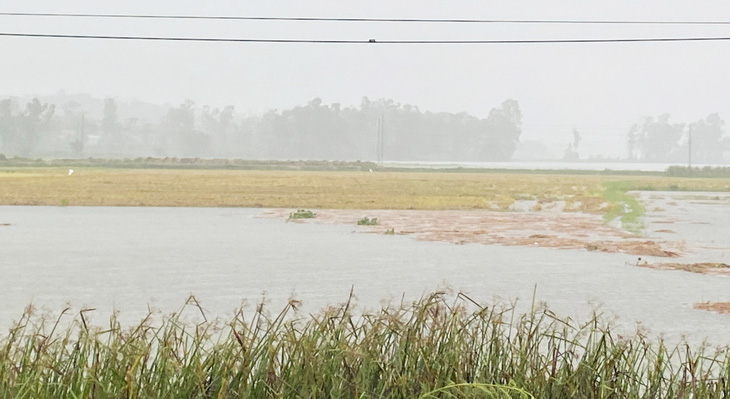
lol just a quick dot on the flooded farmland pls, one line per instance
(132, 259)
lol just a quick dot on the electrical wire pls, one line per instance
(339, 19)
(368, 41)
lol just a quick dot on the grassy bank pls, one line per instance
(438, 347)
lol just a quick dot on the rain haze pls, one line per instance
(598, 89)
(403, 199)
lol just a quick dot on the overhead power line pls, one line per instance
(361, 41)
(397, 20)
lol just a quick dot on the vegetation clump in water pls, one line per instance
(435, 347)
(623, 205)
(700, 267)
(366, 221)
(719, 307)
(302, 214)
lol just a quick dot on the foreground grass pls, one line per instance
(434, 348)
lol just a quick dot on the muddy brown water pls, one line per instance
(134, 259)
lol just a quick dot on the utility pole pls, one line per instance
(689, 142)
(78, 144)
(379, 149)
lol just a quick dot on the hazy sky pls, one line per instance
(601, 89)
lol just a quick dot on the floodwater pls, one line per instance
(700, 220)
(135, 259)
(546, 165)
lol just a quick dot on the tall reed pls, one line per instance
(437, 347)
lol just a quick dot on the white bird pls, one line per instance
(371, 171)
(70, 172)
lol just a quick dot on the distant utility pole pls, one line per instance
(380, 146)
(689, 142)
(78, 145)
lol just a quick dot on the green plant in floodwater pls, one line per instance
(439, 346)
(63, 202)
(366, 221)
(623, 205)
(302, 214)
(390, 232)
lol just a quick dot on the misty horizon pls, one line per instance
(78, 125)
(601, 90)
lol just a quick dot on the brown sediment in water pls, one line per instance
(566, 230)
(719, 307)
(701, 267)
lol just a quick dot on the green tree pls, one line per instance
(111, 130)
(657, 140)
(632, 140)
(109, 122)
(21, 130)
(8, 124)
(182, 138)
(708, 141)
(503, 128)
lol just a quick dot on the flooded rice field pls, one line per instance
(700, 221)
(135, 259)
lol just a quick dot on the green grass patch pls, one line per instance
(623, 205)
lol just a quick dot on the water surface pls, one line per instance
(131, 259)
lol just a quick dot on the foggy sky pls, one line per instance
(600, 89)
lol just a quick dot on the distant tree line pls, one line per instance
(656, 139)
(88, 127)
